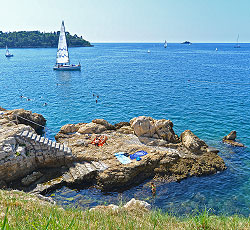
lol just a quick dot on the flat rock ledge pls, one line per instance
(36, 164)
(230, 139)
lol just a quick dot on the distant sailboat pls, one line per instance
(165, 44)
(8, 54)
(148, 51)
(62, 57)
(237, 44)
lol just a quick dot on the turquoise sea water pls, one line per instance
(196, 87)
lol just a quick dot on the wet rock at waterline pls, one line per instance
(230, 139)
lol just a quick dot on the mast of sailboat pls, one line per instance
(238, 39)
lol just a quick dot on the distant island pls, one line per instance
(37, 39)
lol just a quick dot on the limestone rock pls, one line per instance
(126, 130)
(111, 207)
(164, 129)
(91, 128)
(69, 128)
(121, 124)
(233, 143)
(143, 126)
(133, 204)
(103, 122)
(158, 129)
(230, 136)
(26, 117)
(192, 142)
(26, 181)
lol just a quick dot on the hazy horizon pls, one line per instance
(137, 21)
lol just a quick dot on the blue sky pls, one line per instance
(133, 20)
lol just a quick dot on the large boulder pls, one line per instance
(143, 126)
(159, 129)
(91, 128)
(164, 130)
(193, 143)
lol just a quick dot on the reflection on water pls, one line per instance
(63, 76)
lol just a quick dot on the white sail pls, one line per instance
(165, 44)
(7, 51)
(62, 51)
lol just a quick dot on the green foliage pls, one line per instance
(19, 210)
(37, 39)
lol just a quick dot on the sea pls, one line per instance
(195, 86)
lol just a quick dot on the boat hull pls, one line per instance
(67, 67)
(8, 55)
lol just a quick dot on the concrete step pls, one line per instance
(45, 141)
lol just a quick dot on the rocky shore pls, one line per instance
(33, 163)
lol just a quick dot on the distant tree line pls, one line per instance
(37, 39)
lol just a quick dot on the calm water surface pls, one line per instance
(196, 87)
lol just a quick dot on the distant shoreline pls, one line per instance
(39, 47)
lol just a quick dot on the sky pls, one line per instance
(132, 20)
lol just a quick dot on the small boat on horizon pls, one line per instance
(165, 44)
(187, 42)
(8, 54)
(62, 57)
(148, 51)
(237, 43)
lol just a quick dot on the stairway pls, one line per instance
(39, 140)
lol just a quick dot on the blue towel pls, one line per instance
(138, 154)
(122, 158)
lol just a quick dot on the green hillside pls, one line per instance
(37, 39)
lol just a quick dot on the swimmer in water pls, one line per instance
(153, 188)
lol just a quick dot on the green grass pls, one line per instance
(19, 210)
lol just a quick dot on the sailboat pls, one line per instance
(62, 57)
(165, 44)
(237, 44)
(8, 54)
